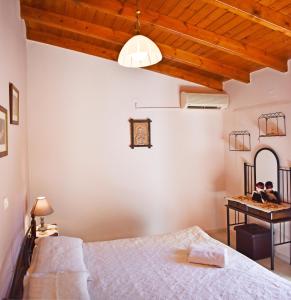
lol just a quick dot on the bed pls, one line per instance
(154, 267)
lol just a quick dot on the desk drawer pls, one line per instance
(260, 213)
(281, 214)
(275, 215)
(237, 205)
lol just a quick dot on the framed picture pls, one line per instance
(140, 133)
(3, 131)
(14, 104)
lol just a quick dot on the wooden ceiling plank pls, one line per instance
(279, 5)
(229, 25)
(112, 55)
(188, 31)
(73, 25)
(190, 10)
(256, 12)
(68, 43)
(201, 14)
(107, 34)
(180, 8)
(168, 6)
(214, 16)
(242, 27)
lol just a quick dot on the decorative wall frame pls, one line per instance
(13, 104)
(140, 133)
(3, 132)
(240, 141)
(272, 124)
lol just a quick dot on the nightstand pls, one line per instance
(52, 230)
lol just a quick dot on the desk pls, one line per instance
(279, 214)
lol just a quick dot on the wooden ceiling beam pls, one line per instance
(186, 75)
(184, 29)
(117, 37)
(88, 48)
(204, 63)
(256, 12)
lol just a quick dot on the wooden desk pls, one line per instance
(278, 214)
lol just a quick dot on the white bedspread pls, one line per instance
(157, 268)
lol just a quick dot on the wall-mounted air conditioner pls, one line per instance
(204, 100)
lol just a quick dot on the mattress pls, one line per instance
(156, 267)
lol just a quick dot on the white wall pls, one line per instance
(13, 168)
(78, 109)
(269, 91)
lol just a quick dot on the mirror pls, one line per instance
(267, 167)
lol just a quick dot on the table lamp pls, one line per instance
(40, 209)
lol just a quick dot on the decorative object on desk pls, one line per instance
(139, 51)
(140, 133)
(3, 132)
(272, 124)
(240, 141)
(40, 209)
(259, 194)
(271, 195)
(14, 104)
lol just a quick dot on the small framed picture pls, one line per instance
(140, 133)
(14, 104)
(3, 131)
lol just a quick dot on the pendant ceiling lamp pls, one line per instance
(139, 51)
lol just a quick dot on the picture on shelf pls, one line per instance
(3, 132)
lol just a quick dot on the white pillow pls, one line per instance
(57, 286)
(208, 255)
(59, 254)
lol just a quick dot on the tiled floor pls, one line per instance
(282, 268)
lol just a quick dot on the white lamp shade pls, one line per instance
(42, 207)
(139, 51)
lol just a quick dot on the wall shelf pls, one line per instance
(272, 124)
(240, 141)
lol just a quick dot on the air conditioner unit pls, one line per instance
(204, 100)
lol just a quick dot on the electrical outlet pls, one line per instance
(5, 203)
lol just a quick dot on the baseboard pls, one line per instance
(213, 231)
(282, 256)
(219, 230)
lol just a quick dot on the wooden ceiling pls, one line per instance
(203, 41)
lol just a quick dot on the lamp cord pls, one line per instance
(138, 12)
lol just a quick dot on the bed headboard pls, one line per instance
(23, 262)
(282, 175)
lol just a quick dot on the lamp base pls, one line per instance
(42, 227)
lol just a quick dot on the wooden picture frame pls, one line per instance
(13, 104)
(140, 133)
(3, 132)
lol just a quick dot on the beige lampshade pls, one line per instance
(42, 207)
(139, 51)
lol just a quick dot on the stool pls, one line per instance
(253, 241)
